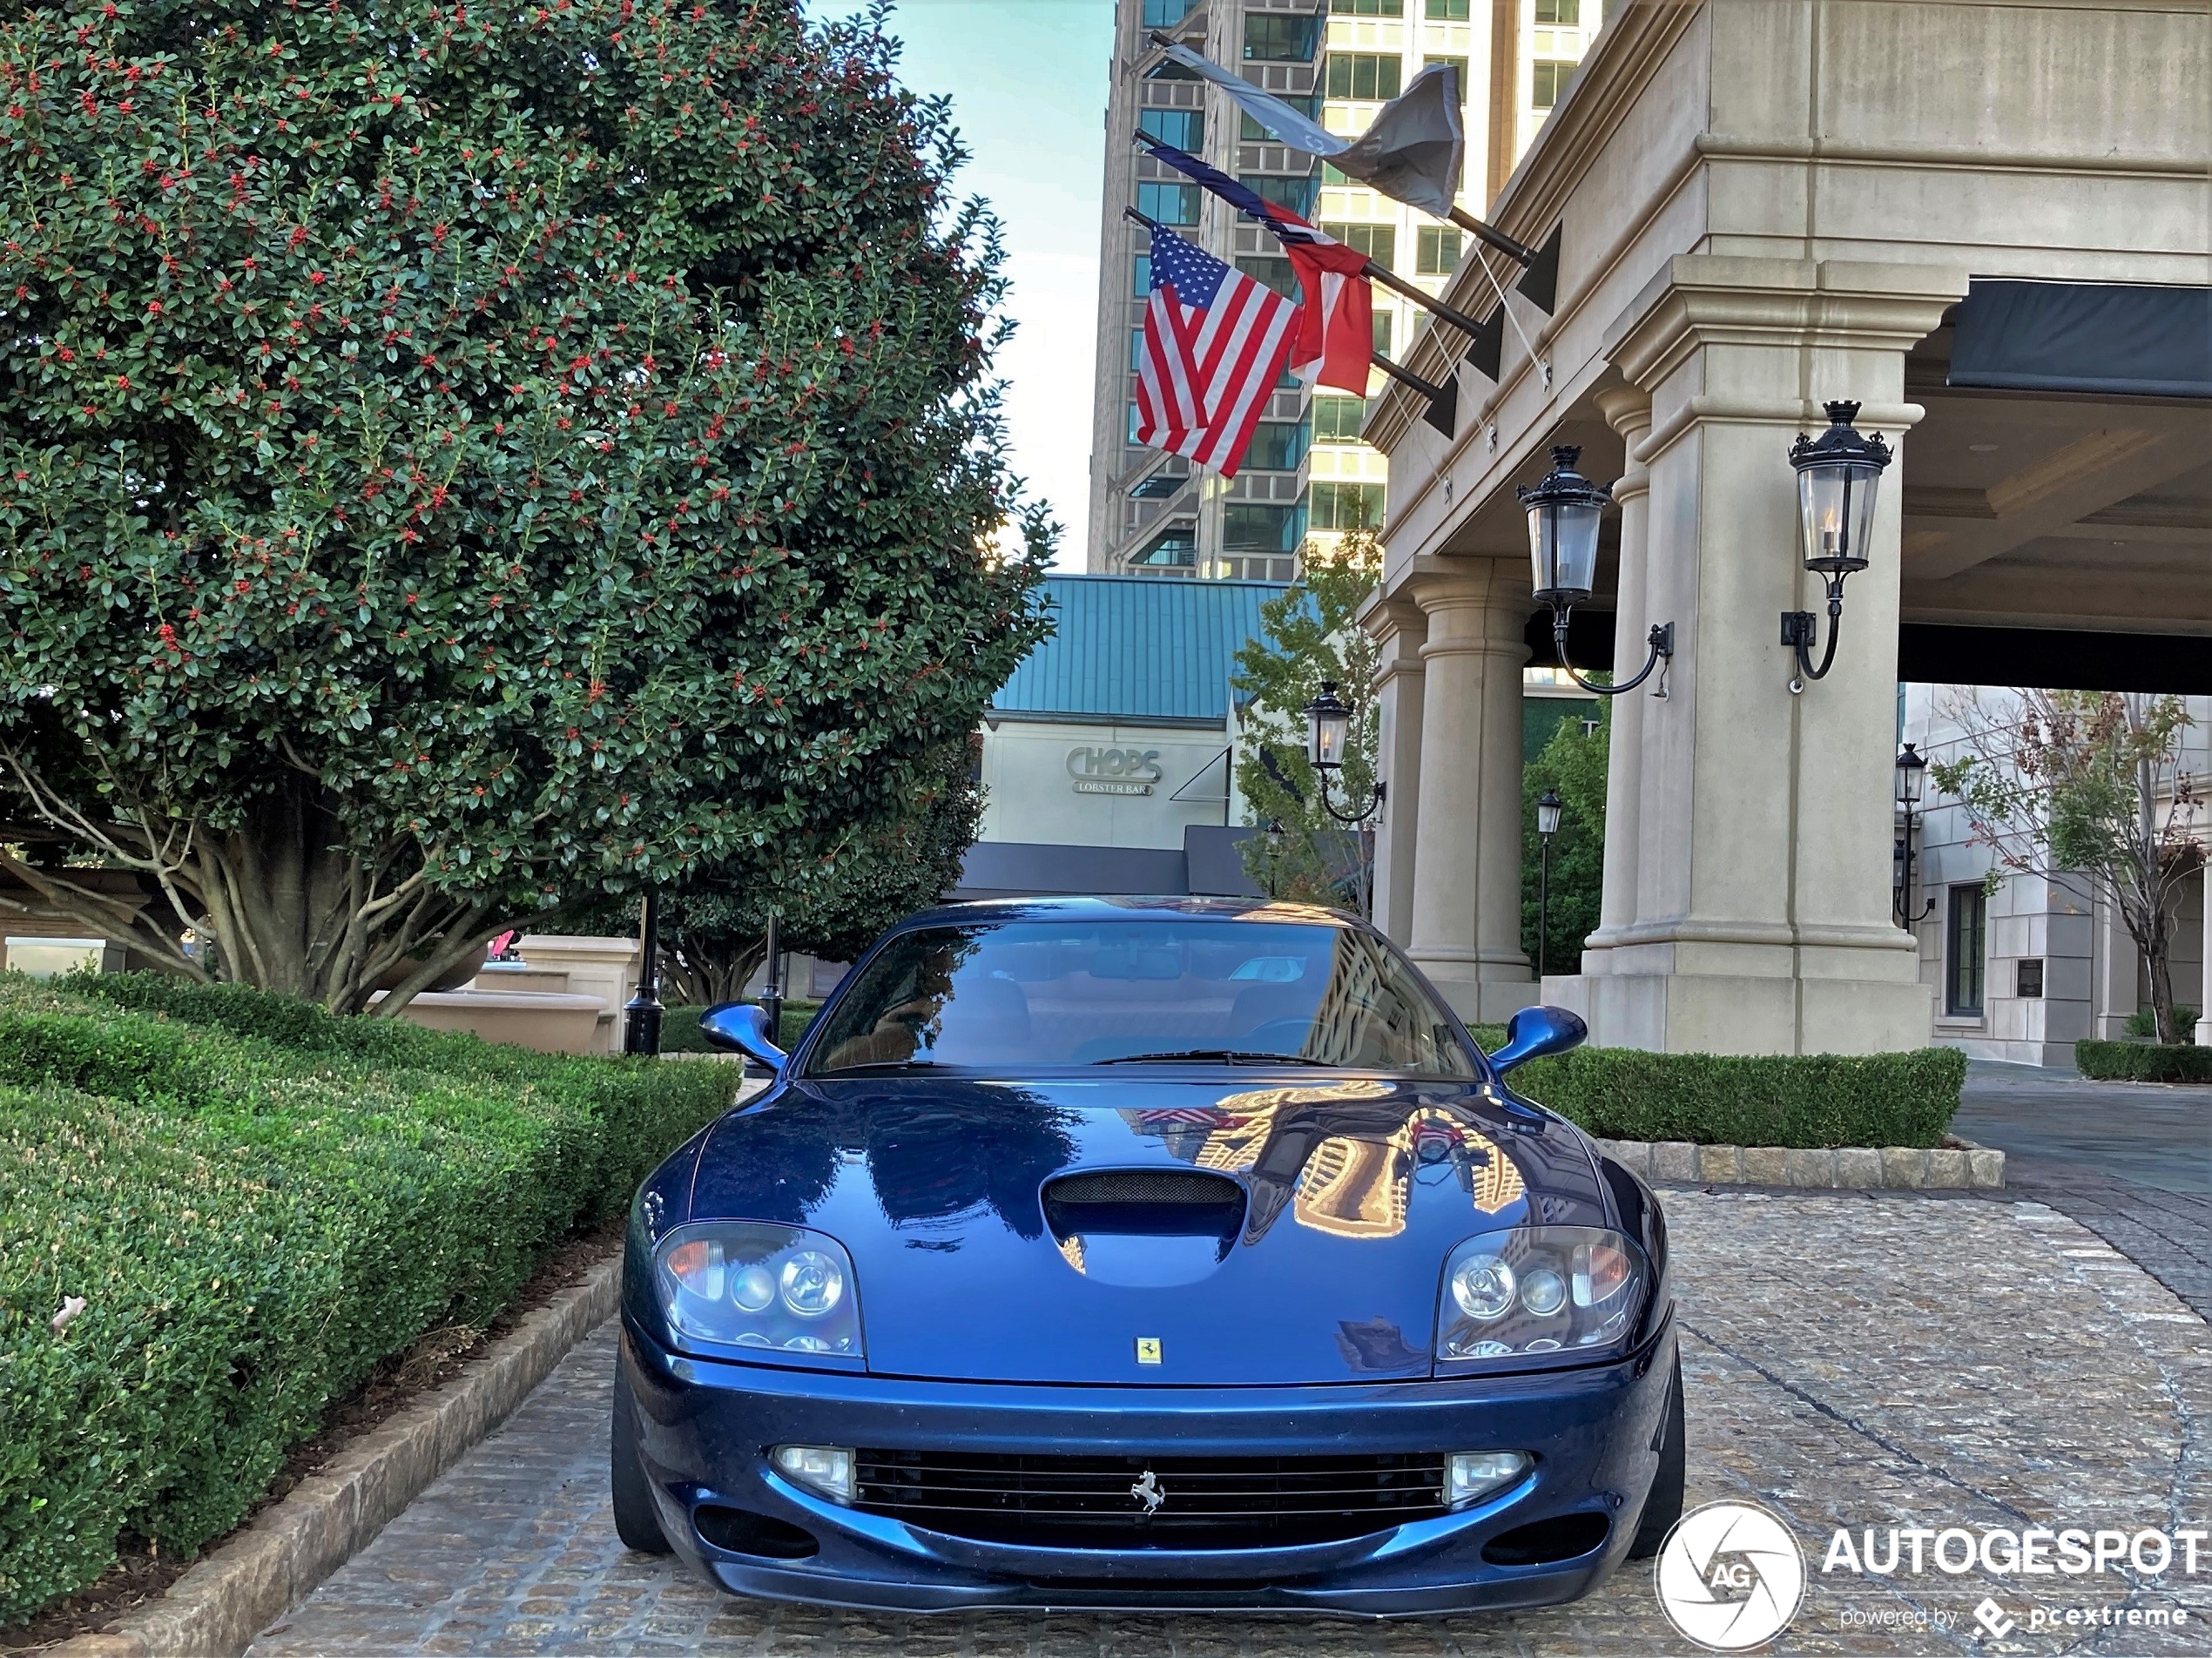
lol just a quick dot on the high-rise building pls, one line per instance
(1307, 473)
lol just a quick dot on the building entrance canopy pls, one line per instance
(2117, 339)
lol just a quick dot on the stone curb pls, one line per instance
(1680, 1162)
(218, 1608)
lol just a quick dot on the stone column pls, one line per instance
(1627, 410)
(1399, 628)
(1466, 930)
(2204, 983)
(1761, 919)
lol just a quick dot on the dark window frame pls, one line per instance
(1966, 951)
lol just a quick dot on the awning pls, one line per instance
(2110, 338)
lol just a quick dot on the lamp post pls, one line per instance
(772, 986)
(1328, 729)
(1912, 775)
(641, 1013)
(1563, 512)
(1548, 810)
(1839, 477)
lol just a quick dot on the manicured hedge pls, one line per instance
(2143, 1061)
(259, 1201)
(1750, 1100)
(680, 1032)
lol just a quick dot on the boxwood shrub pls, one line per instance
(2143, 1061)
(1808, 1100)
(259, 1201)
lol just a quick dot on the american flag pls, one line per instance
(1215, 341)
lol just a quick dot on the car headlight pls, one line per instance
(770, 1291)
(1537, 1290)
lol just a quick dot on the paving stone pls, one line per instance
(1849, 1360)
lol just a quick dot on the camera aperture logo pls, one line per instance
(1730, 1576)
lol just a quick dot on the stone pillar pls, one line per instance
(1627, 410)
(1466, 931)
(1399, 629)
(2204, 982)
(1761, 919)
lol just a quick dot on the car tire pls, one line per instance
(636, 1521)
(1664, 1507)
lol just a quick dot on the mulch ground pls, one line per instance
(142, 1572)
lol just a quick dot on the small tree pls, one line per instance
(1308, 635)
(1573, 763)
(830, 900)
(2090, 784)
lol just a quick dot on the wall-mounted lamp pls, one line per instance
(1328, 728)
(1839, 475)
(1912, 775)
(1563, 512)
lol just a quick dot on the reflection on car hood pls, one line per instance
(1354, 1190)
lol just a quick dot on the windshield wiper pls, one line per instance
(1219, 1055)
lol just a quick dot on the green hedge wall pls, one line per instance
(680, 1032)
(259, 1201)
(2143, 1061)
(1750, 1100)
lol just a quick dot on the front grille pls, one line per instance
(1205, 1502)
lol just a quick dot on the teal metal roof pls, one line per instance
(1136, 647)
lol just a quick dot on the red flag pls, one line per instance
(1336, 338)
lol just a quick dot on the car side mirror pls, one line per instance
(1535, 1032)
(741, 1027)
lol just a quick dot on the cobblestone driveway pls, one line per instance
(1851, 1361)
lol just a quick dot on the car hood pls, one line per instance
(1353, 1191)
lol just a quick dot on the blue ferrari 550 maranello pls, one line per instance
(1163, 1253)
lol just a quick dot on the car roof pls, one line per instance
(1122, 907)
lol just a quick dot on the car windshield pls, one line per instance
(1215, 990)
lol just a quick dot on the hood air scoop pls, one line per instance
(1144, 1228)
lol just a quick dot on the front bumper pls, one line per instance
(703, 1428)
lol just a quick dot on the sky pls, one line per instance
(1028, 80)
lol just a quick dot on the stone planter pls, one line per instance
(1680, 1162)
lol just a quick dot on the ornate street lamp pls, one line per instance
(1328, 729)
(641, 1014)
(1839, 475)
(1548, 810)
(1563, 512)
(1911, 774)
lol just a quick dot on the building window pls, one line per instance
(1567, 13)
(1250, 132)
(1249, 527)
(1185, 128)
(1272, 38)
(1365, 75)
(1550, 83)
(1178, 546)
(1133, 418)
(1168, 204)
(1368, 8)
(1451, 10)
(2028, 981)
(1296, 194)
(1140, 287)
(1276, 446)
(1338, 419)
(1135, 350)
(1159, 486)
(1459, 63)
(1381, 324)
(1270, 271)
(1965, 935)
(1378, 242)
(1165, 14)
(1345, 506)
(1437, 252)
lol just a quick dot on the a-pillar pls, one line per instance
(1466, 931)
(1398, 629)
(1761, 916)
